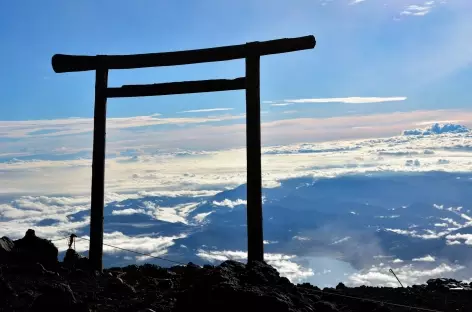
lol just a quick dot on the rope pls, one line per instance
(139, 253)
(376, 301)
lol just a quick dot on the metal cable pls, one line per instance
(314, 290)
(139, 253)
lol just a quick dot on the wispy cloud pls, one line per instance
(146, 165)
(281, 104)
(409, 275)
(418, 10)
(357, 1)
(205, 110)
(427, 258)
(68, 126)
(350, 100)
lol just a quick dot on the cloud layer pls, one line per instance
(350, 100)
(142, 167)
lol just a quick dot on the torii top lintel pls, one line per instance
(72, 63)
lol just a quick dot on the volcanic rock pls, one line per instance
(32, 249)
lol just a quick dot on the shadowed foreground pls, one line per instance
(31, 279)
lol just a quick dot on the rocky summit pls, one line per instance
(31, 279)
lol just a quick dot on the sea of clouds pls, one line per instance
(36, 190)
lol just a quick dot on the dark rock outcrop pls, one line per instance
(55, 297)
(233, 286)
(230, 286)
(446, 284)
(32, 249)
(72, 259)
(341, 286)
(6, 246)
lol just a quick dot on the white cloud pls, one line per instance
(430, 122)
(451, 221)
(408, 275)
(201, 216)
(230, 203)
(281, 104)
(418, 10)
(427, 258)
(127, 212)
(301, 238)
(430, 234)
(197, 172)
(120, 140)
(350, 100)
(342, 240)
(156, 246)
(204, 110)
(397, 261)
(466, 237)
(70, 126)
(175, 214)
(464, 216)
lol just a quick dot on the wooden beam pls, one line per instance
(253, 158)
(177, 88)
(98, 170)
(71, 63)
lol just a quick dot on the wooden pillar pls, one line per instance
(253, 155)
(98, 170)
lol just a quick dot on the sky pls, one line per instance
(379, 67)
(402, 48)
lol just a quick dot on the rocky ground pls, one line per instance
(31, 279)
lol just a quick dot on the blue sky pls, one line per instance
(366, 49)
(379, 67)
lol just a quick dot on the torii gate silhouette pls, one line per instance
(251, 52)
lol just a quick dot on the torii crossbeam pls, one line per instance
(101, 64)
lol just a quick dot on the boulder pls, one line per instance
(57, 297)
(32, 249)
(6, 246)
(442, 284)
(7, 295)
(118, 286)
(233, 286)
(164, 283)
(72, 259)
(152, 270)
(341, 286)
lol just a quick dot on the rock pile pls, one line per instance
(47, 285)
(6, 246)
(32, 249)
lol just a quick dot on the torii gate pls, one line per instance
(251, 83)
